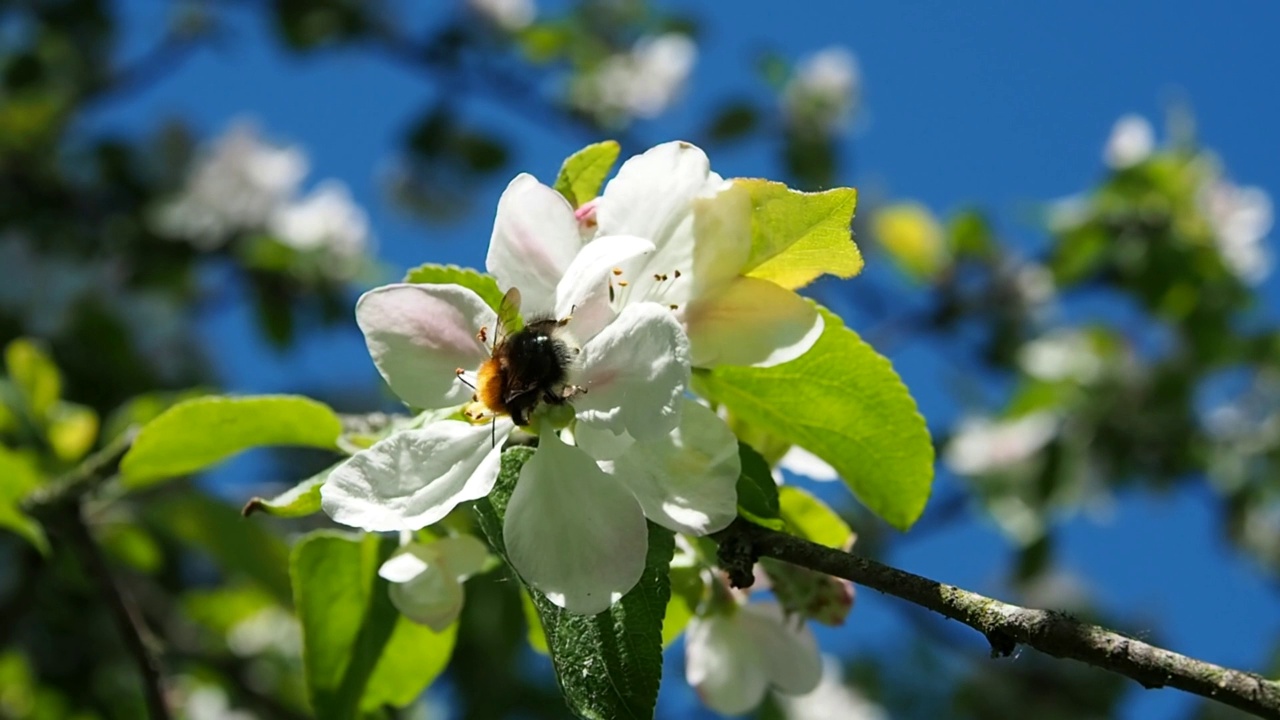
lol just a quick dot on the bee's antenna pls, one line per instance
(459, 372)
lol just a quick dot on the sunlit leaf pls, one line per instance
(911, 235)
(359, 652)
(583, 172)
(34, 375)
(811, 519)
(797, 237)
(622, 646)
(196, 434)
(843, 402)
(72, 430)
(483, 285)
(19, 476)
(298, 501)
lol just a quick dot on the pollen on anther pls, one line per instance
(617, 271)
(623, 283)
(459, 371)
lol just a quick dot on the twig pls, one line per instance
(1005, 625)
(89, 473)
(137, 638)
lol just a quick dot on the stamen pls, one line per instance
(676, 273)
(674, 307)
(617, 271)
(623, 283)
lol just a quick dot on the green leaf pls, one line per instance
(18, 477)
(687, 589)
(797, 237)
(843, 402)
(195, 434)
(537, 638)
(72, 430)
(359, 652)
(483, 285)
(622, 646)
(35, 376)
(298, 501)
(583, 172)
(757, 492)
(811, 519)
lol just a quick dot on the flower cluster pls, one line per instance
(822, 94)
(620, 298)
(640, 83)
(244, 185)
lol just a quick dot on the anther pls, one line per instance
(623, 283)
(676, 273)
(617, 271)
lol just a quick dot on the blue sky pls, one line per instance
(999, 104)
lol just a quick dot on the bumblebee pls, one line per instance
(526, 367)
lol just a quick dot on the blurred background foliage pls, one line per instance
(113, 247)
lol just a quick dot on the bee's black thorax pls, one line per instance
(535, 367)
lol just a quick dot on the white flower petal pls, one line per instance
(463, 554)
(415, 477)
(583, 292)
(419, 335)
(723, 666)
(652, 193)
(686, 481)
(790, 653)
(572, 531)
(752, 322)
(535, 238)
(635, 373)
(421, 588)
(802, 462)
(601, 444)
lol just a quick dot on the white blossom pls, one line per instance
(426, 578)
(1240, 218)
(982, 445)
(635, 447)
(1061, 355)
(734, 656)
(327, 222)
(823, 91)
(235, 186)
(509, 15)
(642, 82)
(1131, 142)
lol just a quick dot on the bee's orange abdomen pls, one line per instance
(491, 386)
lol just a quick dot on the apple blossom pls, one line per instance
(735, 654)
(823, 93)
(633, 448)
(700, 226)
(327, 222)
(1131, 142)
(426, 578)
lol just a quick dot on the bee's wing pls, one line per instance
(509, 314)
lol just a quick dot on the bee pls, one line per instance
(526, 367)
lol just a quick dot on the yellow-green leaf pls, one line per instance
(18, 477)
(480, 283)
(583, 172)
(797, 237)
(195, 434)
(913, 238)
(843, 402)
(35, 376)
(72, 430)
(811, 519)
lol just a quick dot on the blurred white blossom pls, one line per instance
(1240, 218)
(823, 91)
(1132, 141)
(982, 445)
(833, 699)
(640, 83)
(235, 186)
(209, 702)
(1061, 355)
(799, 461)
(510, 15)
(270, 629)
(327, 221)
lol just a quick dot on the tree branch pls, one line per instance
(137, 639)
(1005, 625)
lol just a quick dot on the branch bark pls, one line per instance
(1004, 625)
